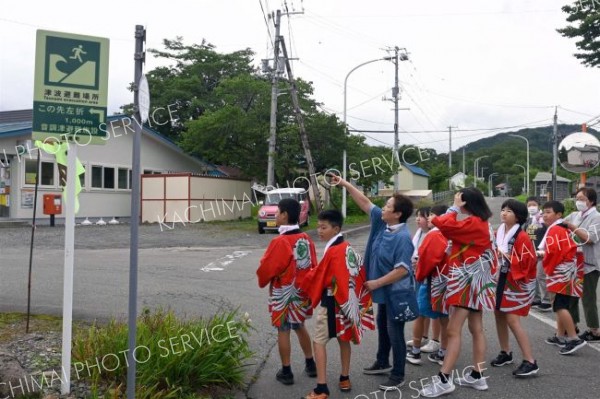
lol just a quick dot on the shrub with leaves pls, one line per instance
(175, 358)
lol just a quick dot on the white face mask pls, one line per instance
(581, 206)
(533, 210)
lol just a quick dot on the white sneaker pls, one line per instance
(431, 346)
(437, 388)
(413, 358)
(480, 384)
(411, 342)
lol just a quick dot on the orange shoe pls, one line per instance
(345, 386)
(313, 395)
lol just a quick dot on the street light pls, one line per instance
(490, 181)
(524, 176)
(527, 142)
(475, 169)
(344, 120)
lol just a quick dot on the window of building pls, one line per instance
(47, 173)
(123, 178)
(109, 177)
(96, 176)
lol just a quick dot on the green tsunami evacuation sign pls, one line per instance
(71, 87)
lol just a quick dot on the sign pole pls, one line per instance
(140, 38)
(68, 268)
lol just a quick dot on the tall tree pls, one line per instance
(584, 15)
(185, 90)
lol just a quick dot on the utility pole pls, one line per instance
(274, 94)
(450, 155)
(554, 153)
(303, 135)
(396, 95)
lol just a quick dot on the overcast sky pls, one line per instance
(473, 64)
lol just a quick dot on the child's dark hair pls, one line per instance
(333, 216)
(424, 211)
(532, 199)
(438, 210)
(556, 206)
(291, 207)
(403, 204)
(518, 208)
(475, 203)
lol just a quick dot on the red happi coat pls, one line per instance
(520, 281)
(284, 265)
(471, 281)
(562, 262)
(341, 273)
(433, 266)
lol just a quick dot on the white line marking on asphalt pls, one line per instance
(224, 261)
(552, 323)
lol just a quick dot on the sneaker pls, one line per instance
(313, 395)
(311, 369)
(436, 358)
(437, 388)
(345, 386)
(572, 346)
(526, 368)
(285, 378)
(476, 383)
(544, 307)
(413, 358)
(424, 341)
(376, 368)
(589, 336)
(391, 384)
(536, 302)
(432, 346)
(502, 359)
(554, 340)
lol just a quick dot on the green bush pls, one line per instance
(175, 358)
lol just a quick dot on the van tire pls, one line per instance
(261, 230)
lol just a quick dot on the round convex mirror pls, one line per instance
(579, 152)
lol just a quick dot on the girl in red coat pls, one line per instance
(471, 286)
(516, 285)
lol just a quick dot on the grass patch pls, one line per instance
(12, 325)
(175, 358)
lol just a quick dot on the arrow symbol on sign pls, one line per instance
(99, 112)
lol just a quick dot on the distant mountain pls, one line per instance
(502, 155)
(540, 138)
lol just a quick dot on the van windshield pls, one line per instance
(274, 198)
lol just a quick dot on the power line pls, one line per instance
(266, 22)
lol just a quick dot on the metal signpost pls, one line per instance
(69, 106)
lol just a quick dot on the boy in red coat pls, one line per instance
(346, 307)
(564, 271)
(283, 266)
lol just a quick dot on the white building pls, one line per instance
(106, 184)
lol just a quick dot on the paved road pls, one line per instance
(186, 277)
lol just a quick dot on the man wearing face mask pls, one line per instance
(536, 229)
(585, 225)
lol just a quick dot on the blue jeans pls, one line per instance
(391, 336)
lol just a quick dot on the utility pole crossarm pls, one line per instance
(303, 135)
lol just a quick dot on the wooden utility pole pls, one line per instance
(274, 94)
(303, 135)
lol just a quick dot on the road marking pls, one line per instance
(215, 266)
(552, 323)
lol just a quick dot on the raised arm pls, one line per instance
(361, 200)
